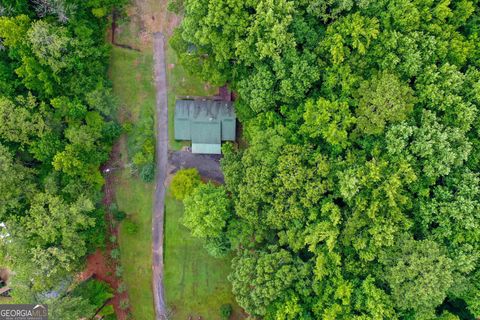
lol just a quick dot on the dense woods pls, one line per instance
(56, 129)
(358, 195)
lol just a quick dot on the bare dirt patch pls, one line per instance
(99, 267)
(99, 264)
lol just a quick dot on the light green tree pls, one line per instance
(184, 182)
(207, 210)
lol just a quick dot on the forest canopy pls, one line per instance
(358, 195)
(56, 129)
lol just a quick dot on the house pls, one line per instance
(206, 123)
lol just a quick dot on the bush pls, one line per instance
(119, 215)
(110, 317)
(96, 236)
(175, 6)
(118, 271)
(115, 254)
(127, 127)
(139, 159)
(184, 182)
(217, 247)
(96, 292)
(148, 172)
(124, 304)
(106, 311)
(130, 227)
(112, 131)
(226, 311)
(122, 287)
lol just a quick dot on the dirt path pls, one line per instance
(161, 173)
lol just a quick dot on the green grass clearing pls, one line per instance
(132, 77)
(195, 283)
(6, 300)
(135, 198)
(181, 83)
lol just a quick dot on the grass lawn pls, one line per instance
(195, 283)
(180, 83)
(135, 198)
(131, 74)
(5, 300)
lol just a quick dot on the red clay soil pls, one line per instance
(99, 264)
(101, 269)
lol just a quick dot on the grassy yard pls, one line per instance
(135, 198)
(131, 75)
(4, 300)
(196, 284)
(180, 83)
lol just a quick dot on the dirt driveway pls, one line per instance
(161, 174)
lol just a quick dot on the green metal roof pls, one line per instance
(228, 129)
(207, 148)
(204, 121)
(205, 132)
(182, 129)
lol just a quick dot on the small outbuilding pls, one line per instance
(206, 123)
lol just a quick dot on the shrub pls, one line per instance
(106, 311)
(99, 12)
(96, 292)
(112, 131)
(175, 6)
(122, 287)
(110, 317)
(119, 215)
(130, 227)
(118, 271)
(115, 254)
(184, 182)
(139, 159)
(147, 174)
(113, 207)
(217, 247)
(127, 127)
(124, 304)
(226, 311)
(96, 236)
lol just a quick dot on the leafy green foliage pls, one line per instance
(97, 292)
(130, 226)
(148, 172)
(356, 196)
(119, 215)
(207, 210)
(184, 182)
(55, 132)
(70, 308)
(419, 276)
(382, 100)
(262, 277)
(226, 311)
